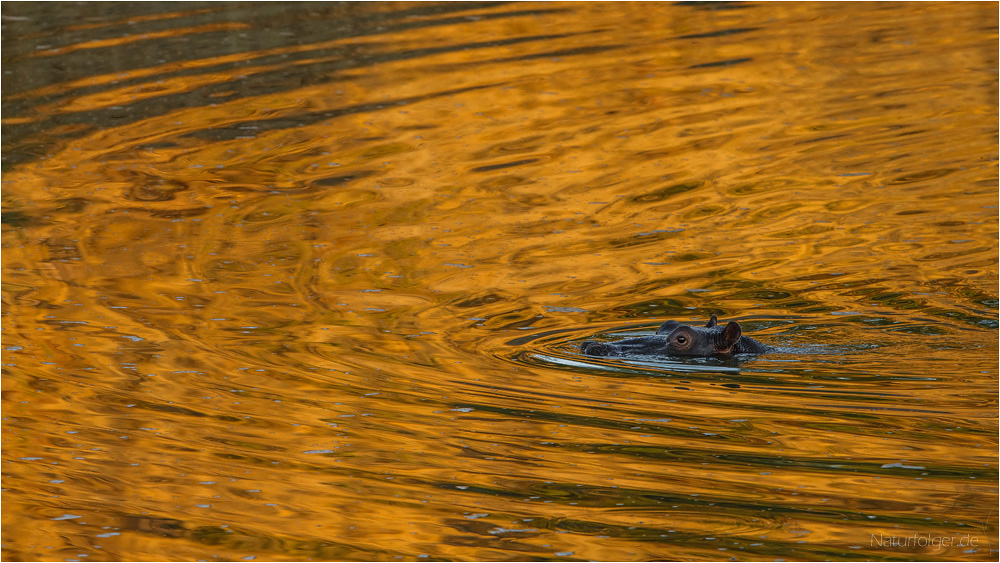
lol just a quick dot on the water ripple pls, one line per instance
(332, 263)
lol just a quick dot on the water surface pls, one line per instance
(308, 281)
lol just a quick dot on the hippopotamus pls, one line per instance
(675, 339)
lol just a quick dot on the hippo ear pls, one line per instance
(730, 336)
(667, 327)
(712, 322)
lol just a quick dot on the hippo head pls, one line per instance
(675, 339)
(684, 340)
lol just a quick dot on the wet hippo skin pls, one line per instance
(675, 339)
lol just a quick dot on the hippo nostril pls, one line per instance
(592, 348)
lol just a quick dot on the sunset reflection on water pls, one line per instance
(307, 281)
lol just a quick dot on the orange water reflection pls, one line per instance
(306, 281)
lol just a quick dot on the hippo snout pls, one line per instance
(592, 348)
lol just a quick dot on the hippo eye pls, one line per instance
(682, 339)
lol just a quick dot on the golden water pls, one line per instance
(307, 281)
